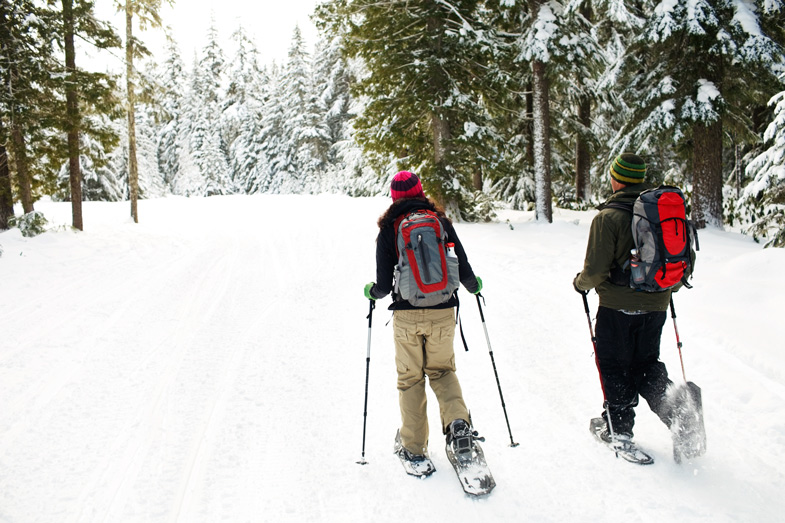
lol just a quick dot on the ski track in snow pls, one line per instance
(208, 364)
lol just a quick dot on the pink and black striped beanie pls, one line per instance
(406, 185)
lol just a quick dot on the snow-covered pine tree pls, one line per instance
(171, 78)
(425, 62)
(565, 59)
(27, 92)
(346, 171)
(267, 145)
(693, 73)
(104, 174)
(241, 109)
(150, 179)
(207, 147)
(302, 151)
(765, 196)
(84, 92)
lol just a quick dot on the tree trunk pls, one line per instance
(529, 124)
(542, 143)
(22, 168)
(133, 170)
(582, 153)
(6, 195)
(477, 180)
(440, 128)
(72, 115)
(707, 173)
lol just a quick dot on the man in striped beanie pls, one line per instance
(629, 322)
(628, 169)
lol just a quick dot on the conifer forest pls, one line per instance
(493, 103)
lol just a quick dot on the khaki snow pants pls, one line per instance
(423, 346)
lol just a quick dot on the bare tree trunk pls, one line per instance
(440, 128)
(707, 172)
(530, 124)
(542, 144)
(477, 180)
(582, 153)
(133, 170)
(72, 115)
(22, 168)
(6, 195)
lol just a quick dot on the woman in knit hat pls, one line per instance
(423, 335)
(629, 322)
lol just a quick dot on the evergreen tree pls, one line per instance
(766, 194)
(147, 13)
(426, 63)
(346, 172)
(241, 109)
(173, 82)
(268, 145)
(694, 72)
(102, 180)
(6, 195)
(93, 90)
(301, 155)
(207, 147)
(565, 61)
(27, 97)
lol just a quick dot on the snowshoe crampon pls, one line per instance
(687, 428)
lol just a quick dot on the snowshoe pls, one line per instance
(621, 444)
(419, 465)
(468, 459)
(687, 428)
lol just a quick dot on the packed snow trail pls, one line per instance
(208, 364)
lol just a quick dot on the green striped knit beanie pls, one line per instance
(628, 169)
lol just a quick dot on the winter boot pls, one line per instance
(620, 443)
(459, 437)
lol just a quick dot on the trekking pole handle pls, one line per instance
(371, 307)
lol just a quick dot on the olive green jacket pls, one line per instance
(610, 242)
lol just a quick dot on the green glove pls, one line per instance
(368, 291)
(479, 285)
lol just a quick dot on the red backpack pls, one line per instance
(663, 237)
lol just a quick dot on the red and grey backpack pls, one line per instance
(663, 238)
(426, 274)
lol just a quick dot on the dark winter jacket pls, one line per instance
(387, 256)
(610, 242)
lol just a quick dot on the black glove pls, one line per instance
(575, 285)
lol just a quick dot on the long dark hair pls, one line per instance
(394, 210)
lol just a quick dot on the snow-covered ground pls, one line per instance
(208, 364)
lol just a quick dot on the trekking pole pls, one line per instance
(678, 341)
(493, 361)
(605, 404)
(367, 369)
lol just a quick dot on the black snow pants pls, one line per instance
(628, 352)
